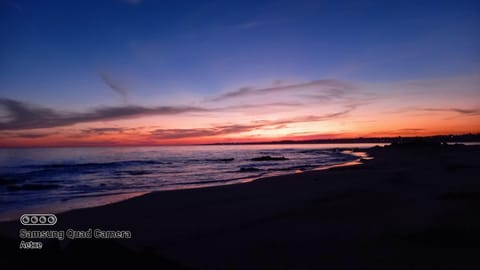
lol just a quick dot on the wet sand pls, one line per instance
(408, 208)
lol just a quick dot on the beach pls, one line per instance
(410, 207)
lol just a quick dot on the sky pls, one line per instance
(145, 72)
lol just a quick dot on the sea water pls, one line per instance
(58, 179)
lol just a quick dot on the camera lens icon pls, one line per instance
(42, 219)
(38, 219)
(25, 219)
(52, 219)
(34, 219)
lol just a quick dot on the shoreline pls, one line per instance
(60, 207)
(406, 208)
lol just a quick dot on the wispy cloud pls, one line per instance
(22, 115)
(331, 87)
(26, 135)
(425, 110)
(102, 131)
(455, 110)
(114, 85)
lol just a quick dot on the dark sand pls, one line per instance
(409, 208)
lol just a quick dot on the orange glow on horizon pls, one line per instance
(294, 115)
(143, 140)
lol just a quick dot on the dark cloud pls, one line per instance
(115, 86)
(31, 136)
(333, 87)
(456, 110)
(102, 131)
(27, 116)
(26, 135)
(17, 115)
(422, 111)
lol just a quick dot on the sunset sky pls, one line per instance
(140, 72)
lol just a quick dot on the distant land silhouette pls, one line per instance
(396, 140)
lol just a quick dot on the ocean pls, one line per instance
(60, 179)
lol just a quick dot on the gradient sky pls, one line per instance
(137, 72)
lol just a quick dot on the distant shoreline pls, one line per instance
(463, 138)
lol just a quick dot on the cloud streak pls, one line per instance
(115, 86)
(19, 115)
(334, 88)
(22, 115)
(102, 131)
(455, 110)
(26, 135)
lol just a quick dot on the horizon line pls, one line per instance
(347, 140)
